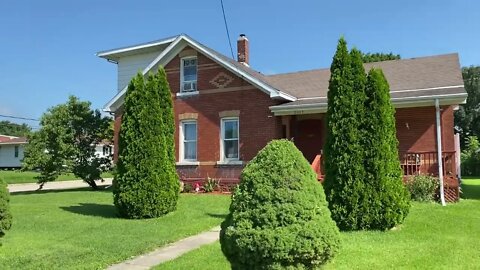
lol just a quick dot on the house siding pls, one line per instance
(128, 66)
(7, 156)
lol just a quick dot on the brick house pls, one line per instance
(226, 111)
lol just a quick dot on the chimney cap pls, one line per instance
(243, 36)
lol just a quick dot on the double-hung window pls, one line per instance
(188, 74)
(188, 141)
(16, 151)
(230, 139)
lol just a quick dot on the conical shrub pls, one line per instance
(279, 218)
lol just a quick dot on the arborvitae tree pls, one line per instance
(146, 184)
(390, 202)
(279, 217)
(168, 117)
(344, 173)
(5, 215)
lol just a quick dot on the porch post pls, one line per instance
(439, 150)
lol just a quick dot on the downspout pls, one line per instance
(439, 151)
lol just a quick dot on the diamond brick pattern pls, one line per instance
(222, 80)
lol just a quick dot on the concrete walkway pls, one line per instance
(169, 252)
(58, 185)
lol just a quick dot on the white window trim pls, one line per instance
(224, 160)
(182, 160)
(181, 92)
(185, 94)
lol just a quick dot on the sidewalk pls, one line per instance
(12, 188)
(169, 252)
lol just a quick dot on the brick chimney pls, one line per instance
(243, 50)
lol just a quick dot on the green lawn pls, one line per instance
(432, 237)
(79, 229)
(17, 177)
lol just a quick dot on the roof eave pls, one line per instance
(108, 53)
(406, 102)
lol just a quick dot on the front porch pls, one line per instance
(308, 132)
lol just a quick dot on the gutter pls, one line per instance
(439, 150)
(321, 107)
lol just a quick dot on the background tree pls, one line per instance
(467, 118)
(344, 170)
(66, 142)
(5, 215)
(378, 57)
(389, 201)
(471, 157)
(14, 129)
(146, 184)
(279, 217)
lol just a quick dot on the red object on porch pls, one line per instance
(317, 167)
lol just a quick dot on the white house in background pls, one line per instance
(104, 149)
(11, 151)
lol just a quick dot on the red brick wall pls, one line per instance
(416, 129)
(256, 123)
(116, 130)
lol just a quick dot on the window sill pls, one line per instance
(188, 163)
(230, 162)
(187, 94)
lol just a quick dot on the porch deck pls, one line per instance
(415, 163)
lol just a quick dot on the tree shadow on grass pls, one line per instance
(46, 191)
(471, 192)
(222, 216)
(93, 209)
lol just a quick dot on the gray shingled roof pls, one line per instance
(405, 74)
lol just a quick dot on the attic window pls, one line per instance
(188, 74)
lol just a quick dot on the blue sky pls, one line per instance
(47, 47)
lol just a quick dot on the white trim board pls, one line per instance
(406, 102)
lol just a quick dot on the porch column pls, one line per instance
(439, 150)
(286, 121)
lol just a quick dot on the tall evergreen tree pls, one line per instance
(5, 215)
(344, 185)
(390, 201)
(146, 184)
(168, 117)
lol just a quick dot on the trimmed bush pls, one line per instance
(146, 184)
(5, 215)
(279, 217)
(390, 201)
(422, 188)
(346, 191)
